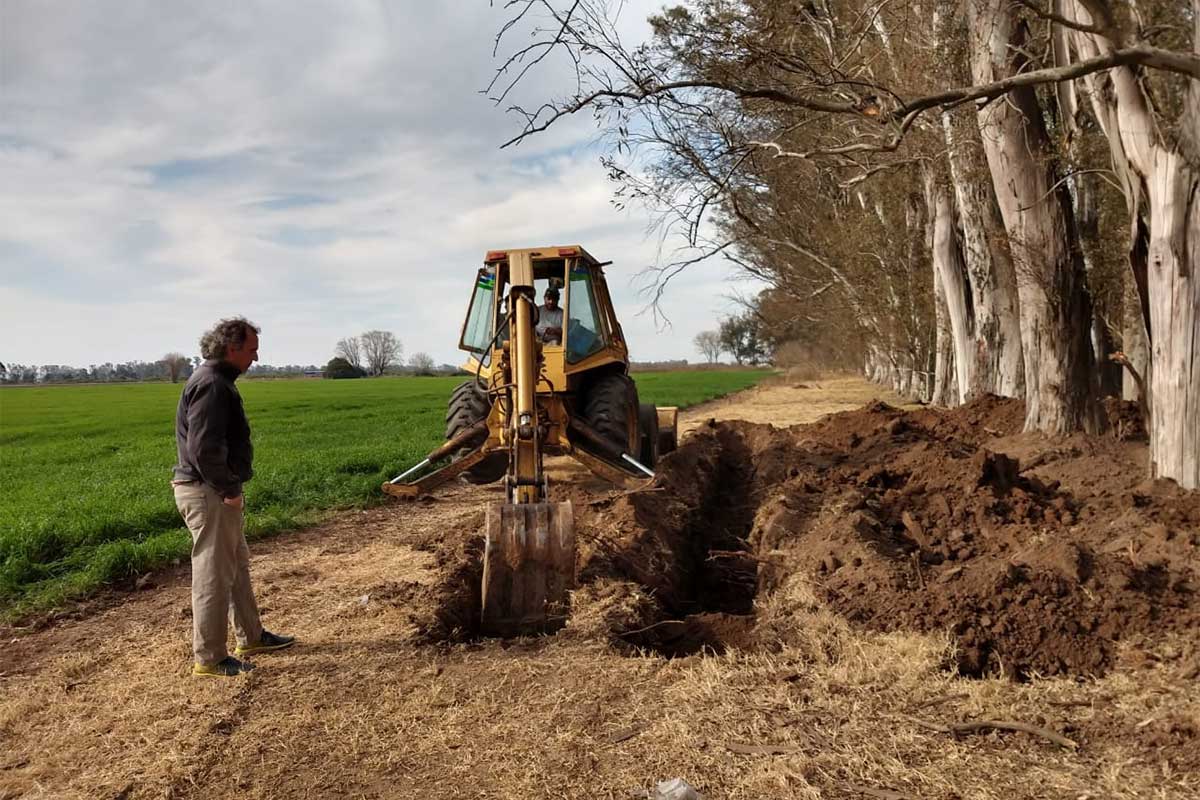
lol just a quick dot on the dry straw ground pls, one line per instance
(99, 703)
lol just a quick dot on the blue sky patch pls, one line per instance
(285, 201)
(185, 169)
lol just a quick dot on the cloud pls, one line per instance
(321, 168)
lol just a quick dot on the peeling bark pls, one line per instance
(1000, 366)
(1055, 308)
(951, 278)
(1174, 291)
(1167, 174)
(945, 390)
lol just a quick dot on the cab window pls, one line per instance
(477, 333)
(585, 334)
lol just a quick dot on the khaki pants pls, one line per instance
(221, 588)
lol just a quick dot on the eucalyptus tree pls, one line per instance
(848, 95)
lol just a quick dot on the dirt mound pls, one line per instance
(909, 521)
(925, 520)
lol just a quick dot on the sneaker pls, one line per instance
(268, 641)
(228, 667)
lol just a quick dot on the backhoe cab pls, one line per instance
(531, 395)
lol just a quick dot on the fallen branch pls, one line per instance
(628, 733)
(713, 555)
(1021, 727)
(762, 749)
(1143, 404)
(960, 728)
(916, 565)
(654, 625)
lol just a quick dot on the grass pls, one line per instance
(84, 470)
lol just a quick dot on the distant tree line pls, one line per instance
(167, 368)
(286, 371)
(172, 367)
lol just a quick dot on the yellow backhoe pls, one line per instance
(543, 382)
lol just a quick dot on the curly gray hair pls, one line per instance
(228, 332)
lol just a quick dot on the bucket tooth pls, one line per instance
(528, 567)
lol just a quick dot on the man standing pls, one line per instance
(550, 318)
(215, 456)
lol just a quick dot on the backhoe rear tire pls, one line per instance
(610, 408)
(468, 405)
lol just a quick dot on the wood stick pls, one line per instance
(762, 749)
(1143, 405)
(959, 728)
(933, 726)
(654, 625)
(1023, 727)
(713, 555)
(916, 560)
(882, 794)
(628, 733)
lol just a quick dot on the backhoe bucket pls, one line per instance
(528, 567)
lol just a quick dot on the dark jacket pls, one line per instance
(211, 431)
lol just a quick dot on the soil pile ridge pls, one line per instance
(1039, 556)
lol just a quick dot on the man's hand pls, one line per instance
(238, 502)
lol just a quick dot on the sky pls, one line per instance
(322, 168)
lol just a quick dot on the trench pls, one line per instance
(712, 605)
(668, 570)
(676, 554)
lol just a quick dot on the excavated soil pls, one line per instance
(902, 521)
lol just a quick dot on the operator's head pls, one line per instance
(551, 298)
(234, 341)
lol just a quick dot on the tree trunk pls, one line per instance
(1174, 293)
(880, 367)
(1055, 309)
(1000, 366)
(1087, 215)
(1134, 344)
(945, 392)
(952, 279)
(1108, 372)
(1169, 175)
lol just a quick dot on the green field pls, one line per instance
(85, 470)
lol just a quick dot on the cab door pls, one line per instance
(586, 327)
(480, 325)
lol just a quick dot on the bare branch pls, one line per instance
(1066, 22)
(547, 48)
(1141, 54)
